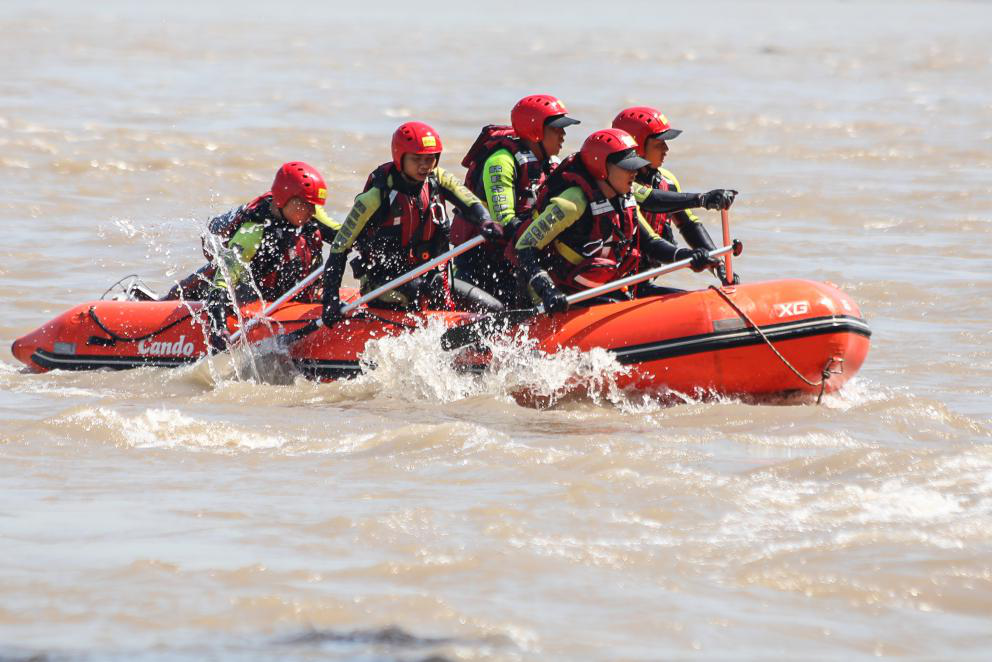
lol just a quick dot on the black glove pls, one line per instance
(700, 258)
(721, 273)
(218, 306)
(333, 273)
(719, 198)
(491, 230)
(553, 299)
(479, 216)
(331, 313)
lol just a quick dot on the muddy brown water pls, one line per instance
(418, 512)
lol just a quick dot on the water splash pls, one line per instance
(413, 366)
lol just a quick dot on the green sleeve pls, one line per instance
(320, 215)
(555, 218)
(640, 191)
(366, 205)
(454, 190)
(241, 248)
(498, 179)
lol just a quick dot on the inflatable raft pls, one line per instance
(774, 337)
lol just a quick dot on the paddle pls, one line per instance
(725, 218)
(472, 332)
(292, 292)
(288, 339)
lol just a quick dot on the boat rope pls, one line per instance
(119, 338)
(827, 367)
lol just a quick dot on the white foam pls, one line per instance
(168, 428)
(412, 366)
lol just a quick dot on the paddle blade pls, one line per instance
(473, 332)
(287, 340)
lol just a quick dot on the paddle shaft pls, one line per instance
(391, 285)
(725, 217)
(292, 292)
(594, 292)
(419, 271)
(466, 334)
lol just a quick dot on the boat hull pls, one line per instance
(775, 337)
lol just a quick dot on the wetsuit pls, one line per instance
(264, 258)
(221, 230)
(581, 239)
(693, 232)
(395, 225)
(504, 172)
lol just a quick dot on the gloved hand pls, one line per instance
(218, 340)
(491, 230)
(218, 304)
(719, 198)
(721, 273)
(553, 299)
(700, 258)
(331, 314)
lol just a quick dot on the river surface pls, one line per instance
(417, 513)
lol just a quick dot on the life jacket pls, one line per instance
(407, 230)
(286, 254)
(299, 253)
(660, 223)
(531, 173)
(601, 246)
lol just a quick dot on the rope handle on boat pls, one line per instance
(114, 337)
(825, 373)
(118, 338)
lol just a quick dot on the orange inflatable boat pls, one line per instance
(774, 337)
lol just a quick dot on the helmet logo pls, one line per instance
(662, 118)
(628, 141)
(322, 194)
(428, 141)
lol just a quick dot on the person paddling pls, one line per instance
(651, 130)
(506, 167)
(265, 247)
(399, 222)
(587, 229)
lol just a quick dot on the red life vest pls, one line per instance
(286, 255)
(531, 173)
(408, 229)
(299, 258)
(660, 223)
(602, 245)
(414, 223)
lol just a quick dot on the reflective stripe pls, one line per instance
(600, 207)
(523, 157)
(582, 280)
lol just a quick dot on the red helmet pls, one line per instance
(415, 138)
(298, 180)
(531, 115)
(602, 144)
(644, 122)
